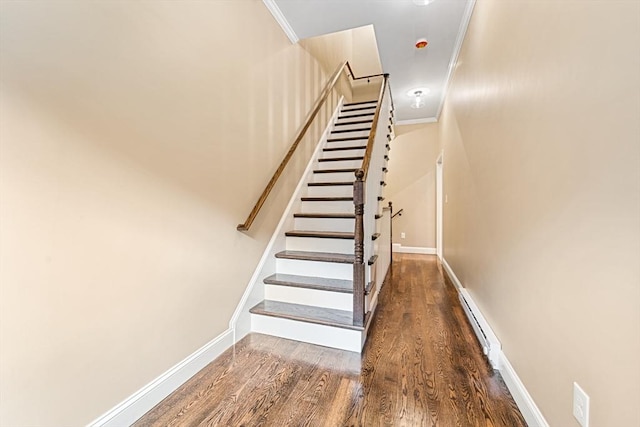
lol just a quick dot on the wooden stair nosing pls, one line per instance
(356, 115)
(327, 199)
(306, 313)
(345, 235)
(317, 256)
(375, 236)
(329, 184)
(356, 122)
(344, 170)
(309, 282)
(324, 215)
(367, 289)
(340, 159)
(372, 260)
(356, 147)
(351, 130)
(348, 138)
(347, 110)
(360, 103)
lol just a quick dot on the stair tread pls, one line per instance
(326, 199)
(360, 103)
(356, 115)
(320, 234)
(324, 215)
(310, 282)
(355, 147)
(368, 107)
(375, 236)
(348, 138)
(351, 130)
(355, 122)
(347, 170)
(317, 256)
(329, 184)
(306, 313)
(340, 159)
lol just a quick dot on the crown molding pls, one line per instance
(281, 20)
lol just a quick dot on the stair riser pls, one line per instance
(327, 336)
(340, 164)
(312, 297)
(330, 270)
(325, 224)
(341, 144)
(343, 153)
(328, 207)
(330, 191)
(334, 177)
(315, 244)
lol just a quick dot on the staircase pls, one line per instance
(310, 296)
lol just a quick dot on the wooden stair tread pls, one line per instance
(326, 199)
(351, 130)
(324, 215)
(355, 147)
(317, 256)
(360, 103)
(308, 282)
(347, 170)
(306, 313)
(347, 138)
(320, 234)
(367, 289)
(341, 159)
(373, 259)
(368, 107)
(355, 122)
(375, 236)
(356, 115)
(329, 184)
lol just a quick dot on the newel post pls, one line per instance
(358, 264)
(390, 234)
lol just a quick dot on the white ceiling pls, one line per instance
(398, 24)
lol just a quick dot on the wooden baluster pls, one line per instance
(358, 265)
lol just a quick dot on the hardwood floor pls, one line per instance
(421, 366)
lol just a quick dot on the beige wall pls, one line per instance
(135, 136)
(541, 138)
(411, 183)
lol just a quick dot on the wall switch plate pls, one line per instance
(580, 405)
(402, 235)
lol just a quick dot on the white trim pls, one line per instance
(523, 399)
(415, 121)
(464, 25)
(281, 20)
(398, 248)
(521, 396)
(440, 206)
(135, 406)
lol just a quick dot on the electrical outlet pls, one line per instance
(580, 405)
(402, 235)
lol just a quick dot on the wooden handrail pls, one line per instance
(399, 213)
(331, 83)
(374, 125)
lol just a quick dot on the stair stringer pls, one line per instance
(240, 322)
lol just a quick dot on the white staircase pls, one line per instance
(310, 296)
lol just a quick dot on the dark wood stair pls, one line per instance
(351, 130)
(349, 104)
(318, 283)
(340, 159)
(307, 313)
(350, 116)
(352, 170)
(326, 199)
(329, 184)
(325, 215)
(317, 256)
(347, 138)
(320, 234)
(356, 147)
(355, 122)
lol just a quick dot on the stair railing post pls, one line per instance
(390, 234)
(358, 265)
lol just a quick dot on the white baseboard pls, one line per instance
(131, 409)
(527, 406)
(398, 248)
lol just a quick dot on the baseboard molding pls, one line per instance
(398, 248)
(139, 403)
(527, 406)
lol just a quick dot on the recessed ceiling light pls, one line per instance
(421, 43)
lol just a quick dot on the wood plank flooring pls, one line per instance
(421, 366)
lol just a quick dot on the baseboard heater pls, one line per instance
(488, 340)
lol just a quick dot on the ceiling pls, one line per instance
(398, 24)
